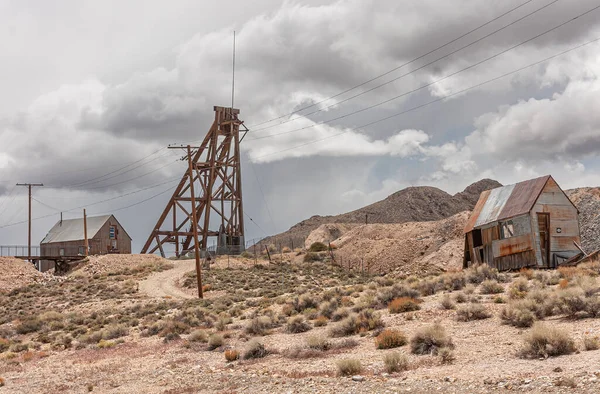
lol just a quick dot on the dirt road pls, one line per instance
(164, 284)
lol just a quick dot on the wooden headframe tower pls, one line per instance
(210, 192)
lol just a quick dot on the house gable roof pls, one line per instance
(72, 229)
(506, 202)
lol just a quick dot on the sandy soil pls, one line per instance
(165, 284)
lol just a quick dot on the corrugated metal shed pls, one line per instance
(72, 229)
(506, 202)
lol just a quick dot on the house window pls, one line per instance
(507, 229)
(61, 252)
(113, 244)
(81, 250)
(112, 232)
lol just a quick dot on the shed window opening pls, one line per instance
(507, 229)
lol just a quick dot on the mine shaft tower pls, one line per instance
(209, 194)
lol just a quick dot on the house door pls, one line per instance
(544, 228)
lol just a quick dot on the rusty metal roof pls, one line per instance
(506, 202)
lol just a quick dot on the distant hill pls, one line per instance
(413, 204)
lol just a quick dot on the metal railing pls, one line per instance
(18, 250)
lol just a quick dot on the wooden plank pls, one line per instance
(563, 243)
(568, 228)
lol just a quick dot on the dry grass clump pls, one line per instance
(491, 287)
(546, 341)
(259, 326)
(518, 289)
(460, 298)
(348, 366)
(446, 355)
(364, 321)
(115, 331)
(215, 341)
(321, 321)
(446, 302)
(430, 340)
(28, 326)
(518, 315)
(395, 362)
(318, 247)
(454, 280)
(478, 273)
(472, 311)
(255, 349)
(232, 355)
(526, 273)
(198, 336)
(404, 304)
(591, 343)
(389, 339)
(297, 324)
(387, 294)
(317, 343)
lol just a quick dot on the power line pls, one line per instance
(398, 67)
(414, 90)
(426, 85)
(95, 203)
(444, 97)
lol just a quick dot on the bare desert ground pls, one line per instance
(132, 324)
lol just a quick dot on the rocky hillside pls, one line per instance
(587, 200)
(413, 204)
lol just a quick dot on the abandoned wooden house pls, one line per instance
(66, 239)
(528, 224)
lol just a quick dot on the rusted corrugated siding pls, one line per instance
(490, 212)
(515, 261)
(476, 211)
(520, 244)
(523, 197)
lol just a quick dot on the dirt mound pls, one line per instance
(407, 248)
(116, 263)
(329, 232)
(413, 204)
(18, 273)
(587, 200)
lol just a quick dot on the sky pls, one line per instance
(346, 101)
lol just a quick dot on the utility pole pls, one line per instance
(85, 238)
(29, 185)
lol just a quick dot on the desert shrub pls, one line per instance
(198, 336)
(404, 304)
(428, 287)
(286, 249)
(430, 339)
(306, 301)
(517, 315)
(4, 344)
(546, 341)
(215, 341)
(317, 343)
(395, 362)
(563, 283)
(115, 331)
(364, 321)
(255, 349)
(479, 273)
(28, 326)
(446, 355)
(311, 257)
(460, 298)
(297, 324)
(469, 289)
(472, 311)
(348, 366)
(446, 302)
(518, 289)
(526, 273)
(340, 314)
(389, 339)
(328, 308)
(318, 247)
(591, 343)
(321, 321)
(387, 294)
(454, 281)
(231, 355)
(259, 326)
(51, 316)
(491, 287)
(573, 302)
(105, 344)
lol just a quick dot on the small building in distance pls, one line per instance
(528, 224)
(66, 238)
